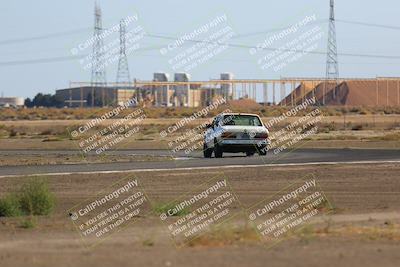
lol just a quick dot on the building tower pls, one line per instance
(98, 66)
(123, 68)
(332, 68)
(226, 90)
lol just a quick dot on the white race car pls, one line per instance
(235, 132)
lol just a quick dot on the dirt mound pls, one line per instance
(245, 104)
(351, 93)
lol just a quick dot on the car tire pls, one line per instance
(250, 153)
(262, 151)
(217, 150)
(207, 152)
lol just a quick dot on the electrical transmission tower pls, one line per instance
(123, 68)
(98, 66)
(332, 68)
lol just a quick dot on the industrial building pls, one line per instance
(103, 96)
(11, 102)
(182, 92)
(160, 92)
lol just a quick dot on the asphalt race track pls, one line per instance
(195, 160)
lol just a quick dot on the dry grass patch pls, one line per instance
(225, 236)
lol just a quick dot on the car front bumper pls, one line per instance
(250, 142)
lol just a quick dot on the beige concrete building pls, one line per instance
(11, 101)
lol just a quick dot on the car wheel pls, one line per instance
(207, 152)
(262, 151)
(217, 150)
(250, 153)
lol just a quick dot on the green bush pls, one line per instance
(10, 206)
(35, 198)
(28, 223)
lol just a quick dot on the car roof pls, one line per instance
(249, 114)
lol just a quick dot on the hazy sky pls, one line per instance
(47, 30)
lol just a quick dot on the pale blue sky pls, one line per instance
(26, 19)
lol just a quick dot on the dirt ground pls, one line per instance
(362, 229)
(35, 159)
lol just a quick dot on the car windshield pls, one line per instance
(241, 120)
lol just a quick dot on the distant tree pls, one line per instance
(44, 100)
(38, 100)
(41, 100)
(28, 103)
(57, 101)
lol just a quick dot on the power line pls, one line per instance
(80, 30)
(57, 59)
(69, 58)
(42, 37)
(318, 21)
(39, 60)
(275, 49)
(62, 58)
(302, 62)
(369, 24)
